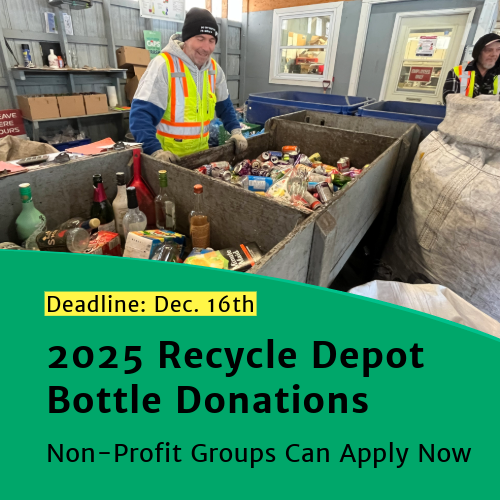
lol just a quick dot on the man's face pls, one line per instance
(199, 48)
(489, 56)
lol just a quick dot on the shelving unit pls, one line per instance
(36, 127)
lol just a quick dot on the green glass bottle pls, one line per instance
(30, 219)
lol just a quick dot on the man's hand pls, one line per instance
(240, 143)
(166, 156)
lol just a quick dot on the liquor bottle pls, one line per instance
(134, 219)
(145, 195)
(30, 219)
(74, 240)
(199, 225)
(89, 225)
(165, 206)
(101, 207)
(120, 204)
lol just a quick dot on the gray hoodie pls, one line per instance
(153, 86)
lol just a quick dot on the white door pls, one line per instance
(426, 49)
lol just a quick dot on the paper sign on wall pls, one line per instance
(152, 41)
(427, 46)
(68, 24)
(443, 42)
(173, 10)
(50, 23)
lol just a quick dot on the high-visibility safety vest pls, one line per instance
(468, 81)
(184, 126)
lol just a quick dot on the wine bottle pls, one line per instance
(199, 225)
(74, 240)
(134, 219)
(120, 204)
(101, 207)
(145, 195)
(30, 219)
(165, 206)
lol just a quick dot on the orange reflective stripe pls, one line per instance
(185, 124)
(184, 79)
(170, 61)
(212, 79)
(174, 136)
(460, 71)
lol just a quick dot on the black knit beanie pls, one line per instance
(199, 22)
(482, 42)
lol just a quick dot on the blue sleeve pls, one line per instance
(225, 111)
(144, 118)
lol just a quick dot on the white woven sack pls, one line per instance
(448, 228)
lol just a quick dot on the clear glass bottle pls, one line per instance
(134, 219)
(165, 206)
(101, 207)
(199, 225)
(120, 204)
(90, 225)
(30, 219)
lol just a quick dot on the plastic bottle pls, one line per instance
(145, 195)
(60, 62)
(53, 61)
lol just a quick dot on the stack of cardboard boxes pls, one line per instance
(60, 106)
(135, 61)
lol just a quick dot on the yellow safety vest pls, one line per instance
(468, 80)
(184, 127)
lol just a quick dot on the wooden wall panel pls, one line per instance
(259, 5)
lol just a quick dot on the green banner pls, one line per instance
(279, 390)
(152, 40)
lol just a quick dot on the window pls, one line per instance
(304, 44)
(194, 3)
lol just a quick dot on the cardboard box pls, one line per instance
(301, 40)
(131, 87)
(96, 104)
(127, 57)
(38, 107)
(136, 71)
(71, 105)
(105, 243)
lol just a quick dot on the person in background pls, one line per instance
(481, 75)
(181, 91)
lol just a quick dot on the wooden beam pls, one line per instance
(225, 9)
(208, 5)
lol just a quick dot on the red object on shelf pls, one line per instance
(145, 195)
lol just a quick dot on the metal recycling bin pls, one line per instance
(236, 216)
(339, 226)
(263, 106)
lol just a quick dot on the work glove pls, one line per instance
(166, 156)
(240, 143)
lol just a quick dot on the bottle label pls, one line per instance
(119, 215)
(52, 241)
(110, 226)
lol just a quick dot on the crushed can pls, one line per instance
(324, 193)
(290, 149)
(265, 156)
(343, 165)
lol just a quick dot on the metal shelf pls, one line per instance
(21, 73)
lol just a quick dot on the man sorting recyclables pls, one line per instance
(480, 77)
(180, 92)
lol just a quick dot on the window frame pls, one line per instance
(332, 9)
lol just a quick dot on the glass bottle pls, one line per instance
(74, 240)
(30, 219)
(101, 207)
(145, 195)
(90, 225)
(199, 225)
(134, 219)
(165, 206)
(120, 204)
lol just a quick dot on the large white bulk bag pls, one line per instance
(448, 229)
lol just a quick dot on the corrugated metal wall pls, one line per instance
(23, 21)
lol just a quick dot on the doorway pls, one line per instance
(425, 47)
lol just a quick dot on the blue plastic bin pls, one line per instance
(72, 144)
(427, 116)
(267, 105)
